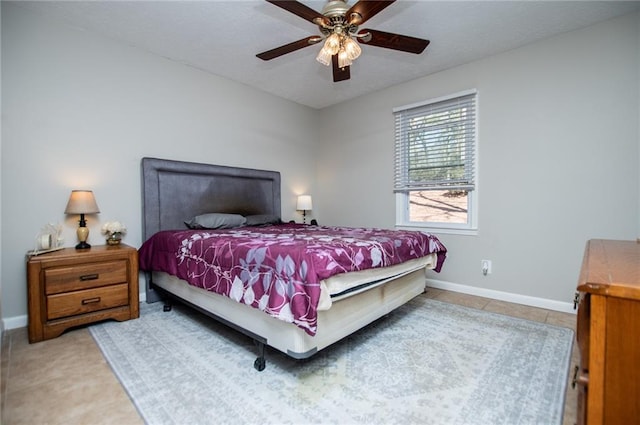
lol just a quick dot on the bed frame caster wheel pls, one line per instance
(260, 364)
(166, 307)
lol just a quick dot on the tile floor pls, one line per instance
(67, 381)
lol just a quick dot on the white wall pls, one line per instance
(80, 111)
(1, 322)
(559, 123)
(558, 158)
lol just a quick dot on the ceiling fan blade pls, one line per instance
(389, 40)
(339, 74)
(305, 12)
(288, 48)
(364, 10)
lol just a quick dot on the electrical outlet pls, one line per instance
(486, 267)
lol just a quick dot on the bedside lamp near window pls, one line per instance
(82, 202)
(304, 205)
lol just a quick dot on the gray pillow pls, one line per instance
(216, 221)
(262, 219)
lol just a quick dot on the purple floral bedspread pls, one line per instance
(278, 269)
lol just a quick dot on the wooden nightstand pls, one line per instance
(73, 287)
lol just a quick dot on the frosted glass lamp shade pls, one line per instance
(324, 57)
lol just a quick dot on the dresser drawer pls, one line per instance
(85, 276)
(85, 301)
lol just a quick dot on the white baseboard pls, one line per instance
(547, 304)
(21, 321)
(16, 322)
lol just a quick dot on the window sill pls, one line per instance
(441, 230)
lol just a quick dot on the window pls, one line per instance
(435, 163)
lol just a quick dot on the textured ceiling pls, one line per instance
(223, 37)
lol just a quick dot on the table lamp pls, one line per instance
(82, 202)
(304, 205)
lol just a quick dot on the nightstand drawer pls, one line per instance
(78, 302)
(92, 275)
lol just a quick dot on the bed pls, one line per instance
(308, 299)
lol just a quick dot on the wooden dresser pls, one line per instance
(73, 287)
(608, 333)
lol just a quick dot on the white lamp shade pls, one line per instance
(304, 203)
(82, 202)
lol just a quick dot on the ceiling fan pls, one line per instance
(339, 28)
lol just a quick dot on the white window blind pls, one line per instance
(435, 145)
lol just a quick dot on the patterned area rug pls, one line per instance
(428, 362)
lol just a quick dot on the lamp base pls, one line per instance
(83, 245)
(83, 234)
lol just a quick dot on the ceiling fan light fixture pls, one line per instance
(351, 48)
(342, 45)
(343, 59)
(324, 57)
(332, 45)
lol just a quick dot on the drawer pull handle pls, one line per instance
(93, 276)
(91, 301)
(579, 379)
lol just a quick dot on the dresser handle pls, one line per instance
(89, 277)
(579, 379)
(91, 301)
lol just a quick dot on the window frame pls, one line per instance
(402, 197)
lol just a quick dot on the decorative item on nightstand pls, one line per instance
(48, 240)
(113, 230)
(304, 205)
(82, 202)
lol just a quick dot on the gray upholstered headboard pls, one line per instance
(175, 191)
